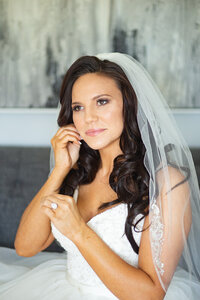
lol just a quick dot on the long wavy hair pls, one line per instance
(129, 177)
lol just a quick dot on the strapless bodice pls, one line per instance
(109, 225)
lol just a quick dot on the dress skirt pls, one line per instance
(44, 276)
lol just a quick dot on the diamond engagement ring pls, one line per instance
(54, 205)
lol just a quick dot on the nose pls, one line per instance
(90, 115)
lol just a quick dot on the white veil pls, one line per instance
(165, 148)
(169, 162)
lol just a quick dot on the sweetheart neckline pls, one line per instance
(103, 212)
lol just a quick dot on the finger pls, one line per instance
(65, 198)
(61, 196)
(51, 198)
(68, 127)
(69, 138)
(64, 140)
(48, 203)
(66, 132)
(49, 212)
(60, 201)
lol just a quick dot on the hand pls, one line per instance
(66, 146)
(65, 217)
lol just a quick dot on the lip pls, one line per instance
(94, 132)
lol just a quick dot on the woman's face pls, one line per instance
(97, 106)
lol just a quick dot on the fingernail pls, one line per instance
(81, 138)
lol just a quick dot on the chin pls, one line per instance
(98, 145)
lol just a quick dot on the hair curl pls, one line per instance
(129, 178)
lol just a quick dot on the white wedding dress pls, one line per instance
(62, 276)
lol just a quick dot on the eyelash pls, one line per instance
(75, 107)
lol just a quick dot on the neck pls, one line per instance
(108, 155)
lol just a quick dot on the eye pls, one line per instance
(102, 101)
(76, 108)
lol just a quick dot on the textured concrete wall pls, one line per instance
(39, 40)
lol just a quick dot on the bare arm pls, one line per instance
(34, 231)
(123, 280)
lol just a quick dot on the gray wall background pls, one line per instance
(40, 39)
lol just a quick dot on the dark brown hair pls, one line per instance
(129, 177)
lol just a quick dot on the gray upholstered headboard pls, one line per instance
(23, 172)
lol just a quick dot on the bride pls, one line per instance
(121, 198)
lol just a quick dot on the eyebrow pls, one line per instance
(94, 98)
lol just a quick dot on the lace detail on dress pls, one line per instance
(156, 230)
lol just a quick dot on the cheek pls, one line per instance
(77, 121)
(115, 119)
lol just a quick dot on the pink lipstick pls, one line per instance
(94, 132)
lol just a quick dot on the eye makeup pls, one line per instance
(101, 101)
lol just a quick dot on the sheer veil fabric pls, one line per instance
(169, 162)
(174, 196)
